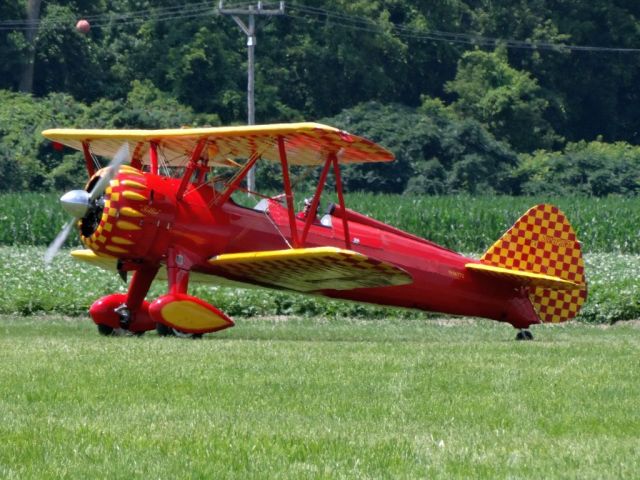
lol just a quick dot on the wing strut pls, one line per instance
(153, 157)
(332, 159)
(191, 166)
(288, 192)
(316, 199)
(345, 223)
(88, 159)
(235, 181)
(138, 152)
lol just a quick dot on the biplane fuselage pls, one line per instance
(147, 223)
(200, 231)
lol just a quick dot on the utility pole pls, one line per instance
(250, 31)
(33, 16)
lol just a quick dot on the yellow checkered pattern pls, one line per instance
(306, 143)
(308, 270)
(543, 241)
(309, 147)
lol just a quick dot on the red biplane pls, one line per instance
(162, 207)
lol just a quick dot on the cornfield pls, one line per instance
(462, 223)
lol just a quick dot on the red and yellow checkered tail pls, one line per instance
(542, 245)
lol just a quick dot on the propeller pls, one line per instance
(79, 202)
(53, 248)
(119, 158)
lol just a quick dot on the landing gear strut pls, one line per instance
(524, 335)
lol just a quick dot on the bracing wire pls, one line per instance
(168, 14)
(368, 25)
(309, 13)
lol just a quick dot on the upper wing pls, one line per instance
(310, 269)
(306, 143)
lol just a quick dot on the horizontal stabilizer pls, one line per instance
(310, 269)
(528, 279)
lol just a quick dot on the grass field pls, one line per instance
(69, 287)
(319, 398)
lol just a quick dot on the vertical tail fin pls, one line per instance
(543, 242)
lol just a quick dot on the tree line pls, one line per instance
(471, 95)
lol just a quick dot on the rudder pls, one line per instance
(542, 241)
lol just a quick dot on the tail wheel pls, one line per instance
(524, 335)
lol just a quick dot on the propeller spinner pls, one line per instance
(79, 203)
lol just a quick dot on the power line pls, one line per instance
(168, 14)
(367, 25)
(315, 14)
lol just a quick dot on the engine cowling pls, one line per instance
(129, 218)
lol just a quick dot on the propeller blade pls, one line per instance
(121, 156)
(58, 241)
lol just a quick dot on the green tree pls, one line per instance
(29, 161)
(592, 92)
(591, 168)
(506, 100)
(436, 151)
(65, 59)
(14, 46)
(146, 106)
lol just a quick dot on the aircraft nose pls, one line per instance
(76, 202)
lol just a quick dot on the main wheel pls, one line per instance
(524, 335)
(181, 334)
(105, 330)
(163, 330)
(108, 331)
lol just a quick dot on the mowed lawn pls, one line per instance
(312, 398)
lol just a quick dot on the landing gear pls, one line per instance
(524, 335)
(109, 331)
(113, 317)
(105, 330)
(181, 334)
(125, 315)
(163, 330)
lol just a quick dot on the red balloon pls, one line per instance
(83, 26)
